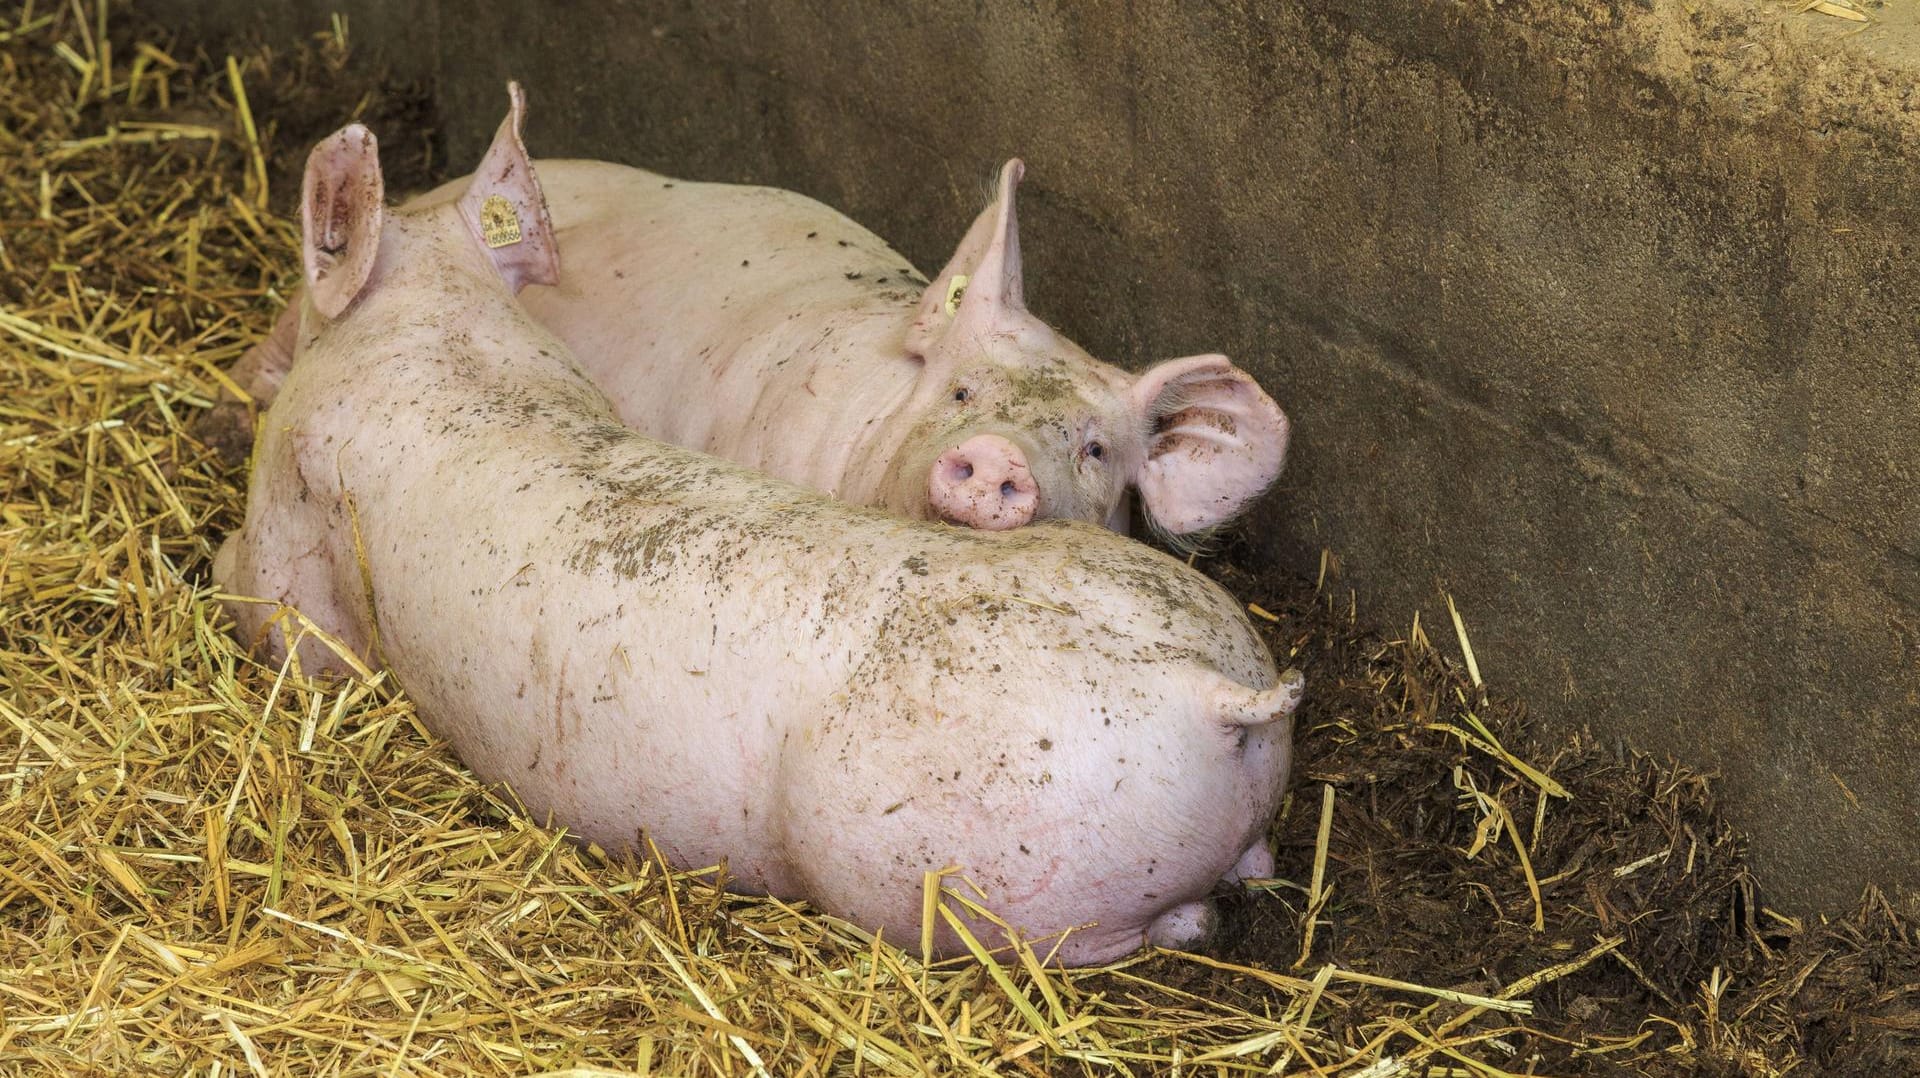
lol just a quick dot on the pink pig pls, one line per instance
(837, 703)
(764, 327)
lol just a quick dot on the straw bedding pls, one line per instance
(209, 866)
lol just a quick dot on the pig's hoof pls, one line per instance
(1183, 926)
(1255, 864)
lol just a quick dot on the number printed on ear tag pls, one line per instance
(499, 222)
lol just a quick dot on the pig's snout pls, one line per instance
(984, 483)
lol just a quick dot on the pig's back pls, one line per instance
(677, 296)
(751, 241)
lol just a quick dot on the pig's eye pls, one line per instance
(961, 394)
(1096, 450)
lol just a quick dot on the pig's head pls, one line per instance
(1015, 423)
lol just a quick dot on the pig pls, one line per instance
(764, 327)
(831, 701)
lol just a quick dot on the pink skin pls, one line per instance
(833, 701)
(764, 327)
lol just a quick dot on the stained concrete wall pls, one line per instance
(1600, 317)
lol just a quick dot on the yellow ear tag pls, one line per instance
(499, 222)
(956, 290)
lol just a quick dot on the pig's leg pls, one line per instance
(1183, 926)
(266, 364)
(228, 427)
(309, 579)
(302, 553)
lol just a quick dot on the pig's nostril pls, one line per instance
(964, 471)
(1007, 489)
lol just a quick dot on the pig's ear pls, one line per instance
(980, 286)
(1217, 441)
(1235, 703)
(506, 208)
(342, 208)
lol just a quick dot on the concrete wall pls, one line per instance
(1599, 317)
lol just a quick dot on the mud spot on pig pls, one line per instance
(1041, 386)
